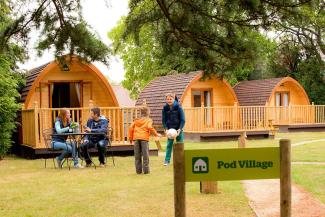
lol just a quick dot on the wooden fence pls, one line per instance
(198, 120)
(249, 118)
(34, 121)
(227, 118)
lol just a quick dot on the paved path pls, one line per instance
(307, 142)
(264, 198)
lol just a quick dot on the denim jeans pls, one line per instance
(101, 146)
(67, 148)
(170, 142)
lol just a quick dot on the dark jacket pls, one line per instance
(64, 129)
(173, 117)
(99, 126)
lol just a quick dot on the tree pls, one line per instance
(305, 27)
(292, 59)
(301, 48)
(142, 61)
(146, 55)
(61, 27)
(218, 35)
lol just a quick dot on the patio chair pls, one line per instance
(109, 136)
(47, 136)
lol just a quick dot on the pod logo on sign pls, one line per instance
(200, 165)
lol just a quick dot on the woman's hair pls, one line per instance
(63, 116)
(144, 112)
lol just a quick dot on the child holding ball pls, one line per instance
(172, 118)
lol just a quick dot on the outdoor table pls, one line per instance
(77, 137)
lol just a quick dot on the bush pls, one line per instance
(8, 104)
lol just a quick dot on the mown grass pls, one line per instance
(314, 152)
(28, 189)
(311, 178)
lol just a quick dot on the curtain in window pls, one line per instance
(285, 99)
(77, 86)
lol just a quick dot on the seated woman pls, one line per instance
(62, 125)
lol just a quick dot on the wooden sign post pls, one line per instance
(285, 178)
(179, 179)
(232, 164)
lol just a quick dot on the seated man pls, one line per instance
(96, 124)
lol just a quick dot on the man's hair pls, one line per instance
(96, 111)
(144, 112)
(172, 95)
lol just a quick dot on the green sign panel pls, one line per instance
(232, 164)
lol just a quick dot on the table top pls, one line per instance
(77, 134)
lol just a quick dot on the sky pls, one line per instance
(102, 18)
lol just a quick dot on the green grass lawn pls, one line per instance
(28, 189)
(295, 137)
(309, 152)
(311, 178)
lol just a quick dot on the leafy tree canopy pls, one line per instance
(224, 38)
(60, 24)
(219, 35)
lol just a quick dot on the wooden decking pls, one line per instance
(117, 150)
(301, 128)
(233, 135)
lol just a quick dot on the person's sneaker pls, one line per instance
(59, 162)
(78, 166)
(166, 163)
(88, 165)
(102, 165)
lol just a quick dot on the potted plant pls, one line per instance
(75, 127)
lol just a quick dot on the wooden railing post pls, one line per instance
(285, 178)
(91, 104)
(235, 116)
(313, 113)
(209, 187)
(179, 179)
(242, 140)
(289, 113)
(202, 119)
(37, 133)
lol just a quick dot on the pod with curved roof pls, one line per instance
(78, 84)
(190, 89)
(271, 92)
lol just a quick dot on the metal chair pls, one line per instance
(47, 136)
(109, 136)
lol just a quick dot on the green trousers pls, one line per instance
(169, 148)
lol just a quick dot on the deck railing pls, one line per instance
(29, 125)
(226, 118)
(250, 118)
(200, 120)
(34, 121)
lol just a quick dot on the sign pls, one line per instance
(232, 164)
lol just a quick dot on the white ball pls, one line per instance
(171, 133)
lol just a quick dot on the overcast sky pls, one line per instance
(102, 18)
